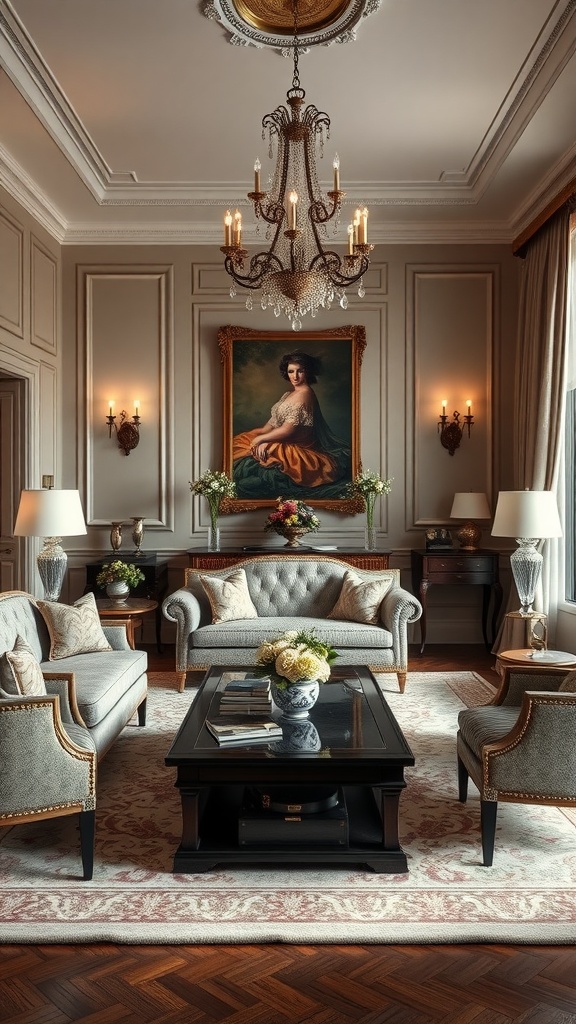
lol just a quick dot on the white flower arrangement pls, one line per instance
(369, 486)
(214, 485)
(295, 657)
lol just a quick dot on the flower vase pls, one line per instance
(292, 535)
(370, 538)
(213, 537)
(296, 700)
(118, 591)
(137, 533)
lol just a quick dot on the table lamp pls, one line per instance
(51, 514)
(529, 516)
(470, 505)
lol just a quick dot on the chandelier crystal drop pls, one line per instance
(298, 274)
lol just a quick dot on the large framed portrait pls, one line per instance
(292, 415)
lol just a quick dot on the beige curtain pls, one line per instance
(540, 382)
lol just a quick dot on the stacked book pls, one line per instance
(246, 697)
(245, 713)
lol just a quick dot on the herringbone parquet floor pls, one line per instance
(275, 984)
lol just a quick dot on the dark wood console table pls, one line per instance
(454, 568)
(203, 558)
(153, 587)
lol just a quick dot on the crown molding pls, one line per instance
(25, 191)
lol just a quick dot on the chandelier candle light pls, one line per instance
(298, 274)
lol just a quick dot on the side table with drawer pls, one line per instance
(153, 586)
(455, 568)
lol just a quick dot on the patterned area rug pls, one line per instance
(529, 895)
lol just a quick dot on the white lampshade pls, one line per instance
(527, 514)
(49, 513)
(470, 505)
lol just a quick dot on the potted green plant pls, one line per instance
(118, 578)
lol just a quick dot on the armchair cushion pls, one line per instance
(360, 600)
(74, 629)
(20, 672)
(229, 597)
(489, 724)
(568, 684)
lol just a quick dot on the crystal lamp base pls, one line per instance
(51, 563)
(526, 565)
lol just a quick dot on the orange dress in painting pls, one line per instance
(300, 457)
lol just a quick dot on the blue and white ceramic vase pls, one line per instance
(296, 699)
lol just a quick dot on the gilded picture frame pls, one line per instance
(321, 455)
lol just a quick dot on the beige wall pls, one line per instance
(142, 322)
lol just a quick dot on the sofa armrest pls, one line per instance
(116, 635)
(183, 609)
(63, 685)
(41, 766)
(398, 609)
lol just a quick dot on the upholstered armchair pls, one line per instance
(520, 747)
(48, 764)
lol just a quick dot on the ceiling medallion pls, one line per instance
(270, 23)
(298, 273)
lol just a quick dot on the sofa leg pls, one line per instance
(401, 681)
(87, 841)
(181, 681)
(142, 712)
(488, 809)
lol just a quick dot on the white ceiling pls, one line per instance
(138, 121)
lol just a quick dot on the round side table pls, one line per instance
(130, 611)
(535, 659)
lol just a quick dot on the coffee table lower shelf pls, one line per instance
(218, 838)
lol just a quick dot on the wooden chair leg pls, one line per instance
(87, 842)
(488, 810)
(181, 681)
(462, 781)
(401, 681)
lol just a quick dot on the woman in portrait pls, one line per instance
(294, 454)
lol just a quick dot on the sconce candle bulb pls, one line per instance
(451, 432)
(128, 433)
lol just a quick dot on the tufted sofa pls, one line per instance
(291, 592)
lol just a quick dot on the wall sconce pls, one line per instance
(451, 432)
(128, 433)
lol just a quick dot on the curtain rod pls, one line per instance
(519, 244)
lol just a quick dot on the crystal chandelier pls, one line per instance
(298, 273)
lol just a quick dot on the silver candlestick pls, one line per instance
(137, 532)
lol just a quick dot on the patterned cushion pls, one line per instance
(20, 672)
(229, 597)
(74, 629)
(360, 600)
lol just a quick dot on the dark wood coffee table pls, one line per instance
(361, 749)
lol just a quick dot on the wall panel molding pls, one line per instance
(126, 338)
(43, 297)
(11, 275)
(450, 311)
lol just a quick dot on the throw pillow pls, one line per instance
(20, 672)
(74, 629)
(229, 596)
(359, 599)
